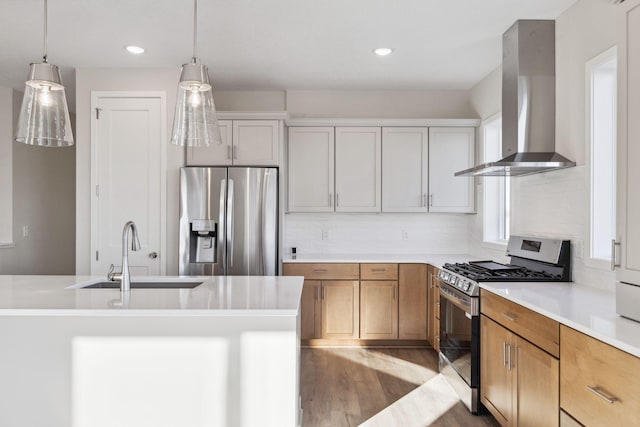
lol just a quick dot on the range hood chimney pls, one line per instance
(528, 103)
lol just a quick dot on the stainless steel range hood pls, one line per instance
(528, 103)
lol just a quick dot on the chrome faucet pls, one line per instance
(124, 276)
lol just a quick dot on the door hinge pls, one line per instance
(97, 257)
(97, 191)
(98, 113)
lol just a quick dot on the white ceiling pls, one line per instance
(273, 44)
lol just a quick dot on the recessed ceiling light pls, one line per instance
(383, 51)
(136, 50)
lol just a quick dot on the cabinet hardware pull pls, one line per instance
(395, 292)
(431, 199)
(509, 354)
(337, 200)
(229, 152)
(319, 270)
(613, 254)
(424, 200)
(324, 292)
(234, 150)
(598, 392)
(378, 269)
(504, 353)
(510, 316)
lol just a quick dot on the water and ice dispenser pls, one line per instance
(202, 241)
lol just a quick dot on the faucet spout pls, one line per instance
(125, 278)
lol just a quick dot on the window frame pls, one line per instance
(498, 226)
(590, 66)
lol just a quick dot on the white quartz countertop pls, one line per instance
(216, 296)
(437, 260)
(586, 309)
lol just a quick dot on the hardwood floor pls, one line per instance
(379, 387)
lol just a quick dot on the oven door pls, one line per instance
(460, 333)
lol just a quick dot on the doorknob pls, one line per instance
(153, 255)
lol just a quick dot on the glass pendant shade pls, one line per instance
(195, 123)
(44, 115)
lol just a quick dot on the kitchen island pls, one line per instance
(225, 353)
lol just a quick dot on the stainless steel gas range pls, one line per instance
(532, 259)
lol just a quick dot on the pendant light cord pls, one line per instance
(44, 55)
(195, 30)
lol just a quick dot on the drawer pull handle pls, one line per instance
(510, 316)
(378, 269)
(598, 392)
(319, 270)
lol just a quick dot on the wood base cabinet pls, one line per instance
(412, 302)
(311, 310)
(519, 381)
(378, 309)
(340, 309)
(600, 385)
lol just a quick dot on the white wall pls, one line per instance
(555, 204)
(6, 166)
(380, 104)
(366, 233)
(44, 201)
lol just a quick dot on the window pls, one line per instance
(496, 189)
(601, 120)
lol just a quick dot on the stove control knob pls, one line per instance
(467, 286)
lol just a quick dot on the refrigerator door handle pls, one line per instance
(222, 256)
(230, 224)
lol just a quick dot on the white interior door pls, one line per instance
(128, 174)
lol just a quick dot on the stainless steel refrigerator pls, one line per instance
(229, 221)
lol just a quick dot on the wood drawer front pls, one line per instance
(532, 326)
(586, 362)
(379, 271)
(334, 271)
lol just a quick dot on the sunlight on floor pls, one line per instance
(389, 364)
(412, 409)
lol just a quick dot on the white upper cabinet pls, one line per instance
(255, 142)
(404, 169)
(451, 149)
(358, 169)
(244, 143)
(628, 143)
(311, 169)
(215, 154)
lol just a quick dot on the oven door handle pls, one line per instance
(457, 302)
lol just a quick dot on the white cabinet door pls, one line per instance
(404, 169)
(255, 142)
(451, 149)
(358, 169)
(628, 199)
(215, 154)
(311, 169)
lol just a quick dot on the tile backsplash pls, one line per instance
(370, 233)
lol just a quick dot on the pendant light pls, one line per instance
(44, 115)
(195, 123)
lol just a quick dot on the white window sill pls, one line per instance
(7, 245)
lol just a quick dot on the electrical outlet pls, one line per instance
(325, 235)
(25, 231)
(405, 235)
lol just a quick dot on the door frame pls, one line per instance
(95, 97)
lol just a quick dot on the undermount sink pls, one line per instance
(145, 285)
